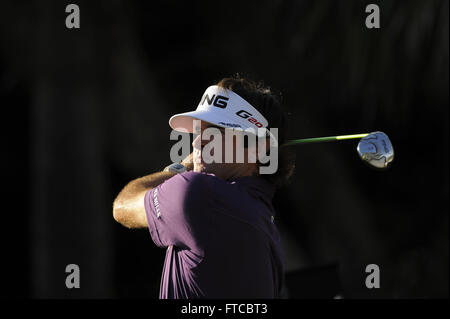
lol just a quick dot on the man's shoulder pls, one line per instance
(206, 189)
(193, 183)
(196, 176)
(197, 179)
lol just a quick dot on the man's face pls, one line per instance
(214, 153)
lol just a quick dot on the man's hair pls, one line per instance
(269, 105)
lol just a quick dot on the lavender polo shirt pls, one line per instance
(220, 237)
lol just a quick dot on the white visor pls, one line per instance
(223, 108)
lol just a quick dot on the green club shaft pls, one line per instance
(324, 139)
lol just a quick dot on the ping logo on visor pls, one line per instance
(219, 100)
(224, 108)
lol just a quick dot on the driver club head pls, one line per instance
(376, 150)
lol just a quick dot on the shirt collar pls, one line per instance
(257, 186)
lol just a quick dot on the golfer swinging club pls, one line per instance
(215, 219)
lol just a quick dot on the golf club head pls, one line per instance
(376, 150)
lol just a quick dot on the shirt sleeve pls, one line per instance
(176, 211)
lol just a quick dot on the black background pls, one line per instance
(86, 110)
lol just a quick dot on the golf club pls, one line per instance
(374, 148)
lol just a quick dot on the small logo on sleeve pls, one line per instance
(156, 203)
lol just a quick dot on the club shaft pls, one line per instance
(324, 139)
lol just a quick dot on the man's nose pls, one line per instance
(198, 143)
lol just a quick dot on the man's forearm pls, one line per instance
(128, 208)
(141, 185)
